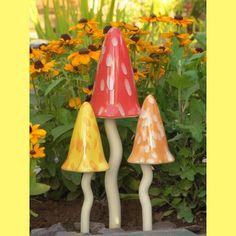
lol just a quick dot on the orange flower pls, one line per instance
(36, 133)
(37, 152)
(36, 53)
(84, 55)
(180, 20)
(75, 102)
(41, 66)
(65, 39)
(138, 75)
(88, 26)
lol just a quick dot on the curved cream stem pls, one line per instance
(88, 202)
(144, 196)
(111, 185)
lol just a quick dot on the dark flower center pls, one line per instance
(38, 65)
(84, 51)
(135, 38)
(135, 70)
(179, 17)
(162, 48)
(106, 29)
(30, 128)
(76, 68)
(176, 33)
(90, 87)
(31, 50)
(199, 50)
(65, 37)
(153, 16)
(32, 152)
(92, 47)
(154, 55)
(83, 20)
(42, 44)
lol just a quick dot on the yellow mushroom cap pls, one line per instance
(150, 144)
(85, 151)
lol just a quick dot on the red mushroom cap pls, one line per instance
(114, 91)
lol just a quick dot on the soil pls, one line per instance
(68, 212)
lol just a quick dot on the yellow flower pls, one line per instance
(138, 75)
(100, 34)
(137, 43)
(159, 49)
(71, 68)
(149, 59)
(149, 19)
(36, 133)
(36, 53)
(37, 152)
(84, 55)
(41, 66)
(197, 50)
(88, 90)
(67, 40)
(88, 25)
(75, 102)
(180, 20)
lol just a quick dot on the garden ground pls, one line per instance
(68, 212)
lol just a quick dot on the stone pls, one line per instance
(110, 231)
(163, 225)
(51, 231)
(194, 228)
(68, 234)
(94, 226)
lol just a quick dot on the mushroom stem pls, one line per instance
(111, 185)
(144, 196)
(88, 201)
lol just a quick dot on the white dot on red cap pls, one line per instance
(110, 82)
(100, 111)
(114, 41)
(102, 85)
(124, 69)
(112, 97)
(109, 60)
(127, 87)
(121, 110)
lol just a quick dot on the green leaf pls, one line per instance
(154, 191)
(72, 195)
(132, 183)
(64, 116)
(72, 176)
(60, 130)
(41, 118)
(69, 184)
(186, 214)
(129, 196)
(185, 184)
(167, 213)
(53, 85)
(188, 174)
(180, 81)
(201, 38)
(38, 188)
(157, 202)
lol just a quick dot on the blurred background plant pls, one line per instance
(167, 46)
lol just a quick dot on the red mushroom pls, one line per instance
(114, 96)
(114, 93)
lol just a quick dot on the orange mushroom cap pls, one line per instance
(150, 144)
(85, 151)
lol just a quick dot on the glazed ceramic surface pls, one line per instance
(150, 144)
(85, 151)
(114, 92)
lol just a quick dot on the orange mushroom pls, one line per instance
(150, 148)
(150, 144)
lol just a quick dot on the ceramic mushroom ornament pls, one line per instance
(150, 148)
(114, 96)
(86, 156)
